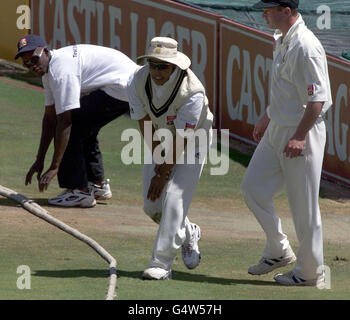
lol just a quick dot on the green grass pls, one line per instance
(64, 268)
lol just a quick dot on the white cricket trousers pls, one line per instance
(268, 172)
(170, 210)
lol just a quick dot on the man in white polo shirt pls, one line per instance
(85, 88)
(291, 138)
(165, 94)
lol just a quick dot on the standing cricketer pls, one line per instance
(291, 137)
(85, 89)
(166, 94)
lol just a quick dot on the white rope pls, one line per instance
(38, 211)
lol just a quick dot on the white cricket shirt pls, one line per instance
(299, 75)
(189, 113)
(79, 69)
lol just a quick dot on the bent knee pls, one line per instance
(246, 186)
(154, 213)
(252, 190)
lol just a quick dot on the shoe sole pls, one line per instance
(297, 284)
(275, 266)
(308, 283)
(104, 197)
(193, 267)
(73, 206)
(149, 277)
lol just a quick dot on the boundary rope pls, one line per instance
(41, 213)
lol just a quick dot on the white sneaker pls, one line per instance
(102, 192)
(190, 250)
(155, 273)
(290, 279)
(267, 265)
(73, 198)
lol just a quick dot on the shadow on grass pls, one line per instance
(184, 276)
(40, 201)
(177, 276)
(12, 203)
(78, 273)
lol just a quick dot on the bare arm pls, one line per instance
(63, 129)
(296, 143)
(48, 131)
(47, 134)
(260, 127)
(149, 140)
(162, 171)
(179, 145)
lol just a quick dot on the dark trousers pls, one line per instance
(82, 160)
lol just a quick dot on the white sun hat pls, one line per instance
(165, 49)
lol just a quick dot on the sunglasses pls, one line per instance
(159, 66)
(34, 59)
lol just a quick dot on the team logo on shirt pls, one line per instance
(170, 120)
(310, 90)
(22, 43)
(189, 125)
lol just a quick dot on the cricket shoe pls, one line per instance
(190, 250)
(267, 265)
(73, 198)
(156, 273)
(290, 279)
(102, 192)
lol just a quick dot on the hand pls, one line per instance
(38, 167)
(46, 179)
(159, 170)
(294, 147)
(260, 128)
(156, 187)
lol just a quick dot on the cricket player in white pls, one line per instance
(291, 138)
(85, 89)
(166, 94)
